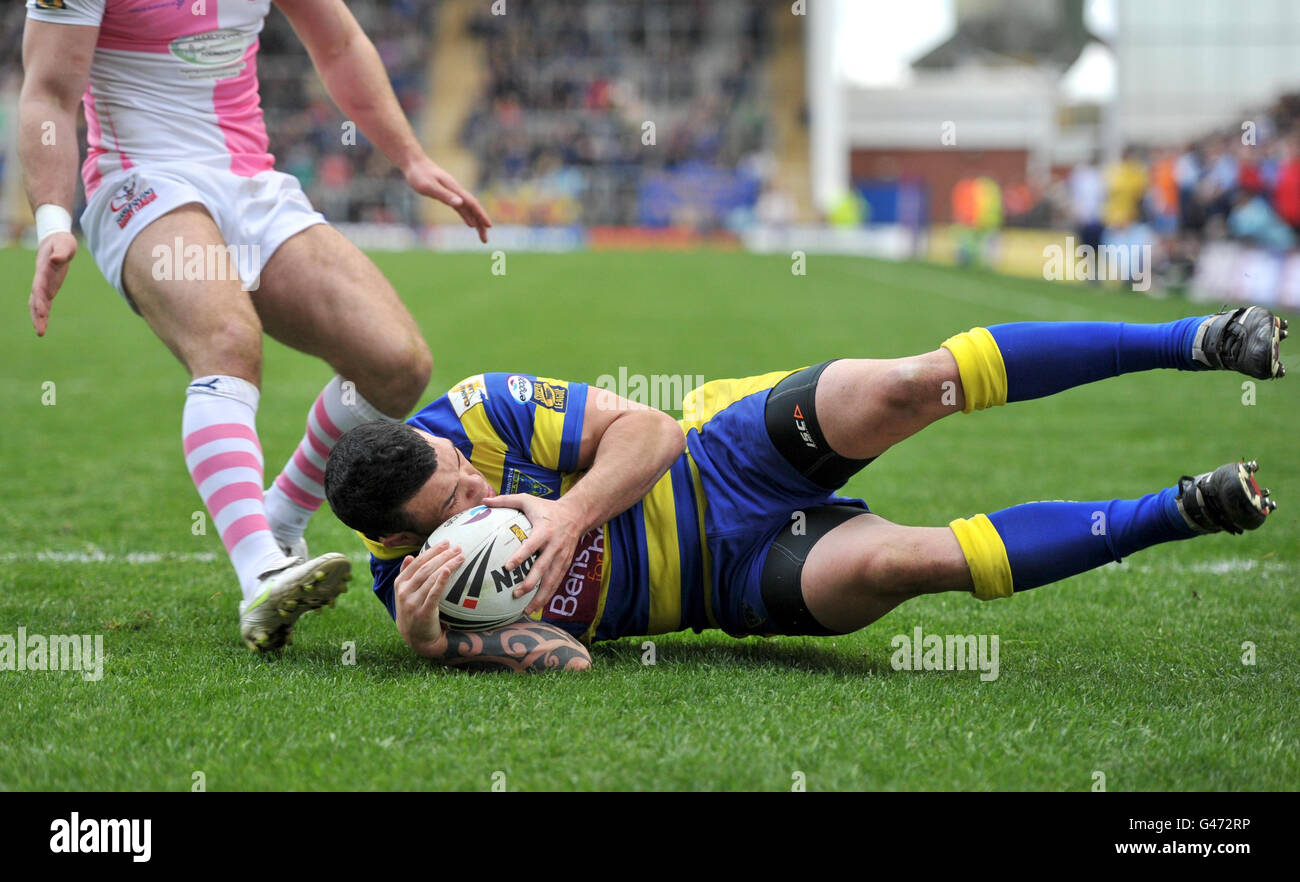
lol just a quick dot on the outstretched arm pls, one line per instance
(354, 76)
(521, 646)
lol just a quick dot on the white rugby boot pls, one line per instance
(266, 622)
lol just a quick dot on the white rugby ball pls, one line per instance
(480, 594)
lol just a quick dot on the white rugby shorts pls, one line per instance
(254, 214)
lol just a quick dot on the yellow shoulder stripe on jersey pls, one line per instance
(489, 453)
(664, 564)
(548, 431)
(986, 555)
(705, 402)
(383, 552)
(979, 362)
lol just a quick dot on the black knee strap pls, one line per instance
(791, 416)
(782, 580)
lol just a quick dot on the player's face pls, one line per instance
(454, 486)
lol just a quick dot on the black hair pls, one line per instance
(373, 471)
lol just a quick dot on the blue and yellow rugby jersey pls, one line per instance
(643, 572)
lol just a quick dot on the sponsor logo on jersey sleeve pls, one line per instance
(521, 388)
(516, 481)
(466, 394)
(51, 4)
(550, 395)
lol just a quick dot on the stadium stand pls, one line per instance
(1238, 184)
(349, 182)
(640, 112)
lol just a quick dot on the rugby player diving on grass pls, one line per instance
(643, 524)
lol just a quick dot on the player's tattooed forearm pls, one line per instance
(520, 647)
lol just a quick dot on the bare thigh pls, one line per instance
(321, 295)
(866, 405)
(866, 566)
(209, 324)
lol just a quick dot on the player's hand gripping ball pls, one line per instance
(480, 594)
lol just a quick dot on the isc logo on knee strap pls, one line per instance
(802, 428)
(796, 435)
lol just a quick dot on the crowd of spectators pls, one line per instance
(591, 108)
(1240, 183)
(345, 176)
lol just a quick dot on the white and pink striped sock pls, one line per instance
(299, 490)
(224, 458)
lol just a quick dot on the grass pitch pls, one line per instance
(1134, 670)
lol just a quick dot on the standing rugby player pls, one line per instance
(178, 158)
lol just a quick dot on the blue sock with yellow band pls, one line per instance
(1024, 360)
(1037, 543)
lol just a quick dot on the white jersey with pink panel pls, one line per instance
(172, 80)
